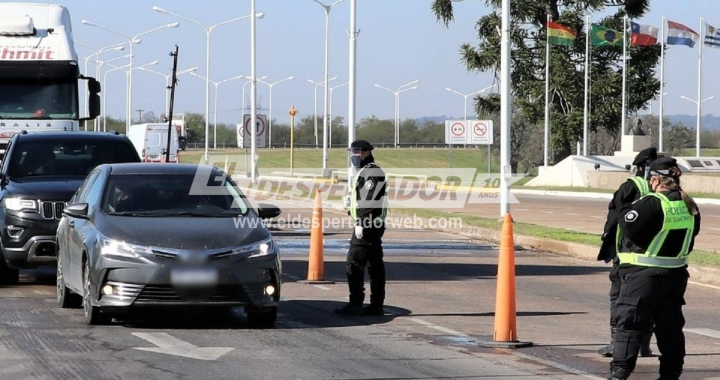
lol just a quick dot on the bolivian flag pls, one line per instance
(602, 36)
(560, 34)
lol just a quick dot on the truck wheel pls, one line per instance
(8, 276)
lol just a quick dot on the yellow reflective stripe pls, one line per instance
(641, 260)
(641, 184)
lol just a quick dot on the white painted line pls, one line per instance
(521, 209)
(524, 356)
(558, 366)
(546, 212)
(706, 332)
(597, 217)
(439, 328)
(714, 228)
(321, 287)
(704, 285)
(42, 292)
(714, 216)
(169, 345)
(571, 214)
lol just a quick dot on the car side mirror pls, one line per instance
(77, 210)
(268, 211)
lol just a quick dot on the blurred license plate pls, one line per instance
(194, 276)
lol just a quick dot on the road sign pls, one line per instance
(481, 132)
(260, 131)
(455, 132)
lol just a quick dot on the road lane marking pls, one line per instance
(714, 216)
(546, 212)
(571, 214)
(521, 209)
(704, 285)
(596, 217)
(321, 287)
(714, 228)
(518, 354)
(42, 292)
(168, 344)
(706, 332)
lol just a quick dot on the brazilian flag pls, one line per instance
(602, 36)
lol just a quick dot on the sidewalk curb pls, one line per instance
(585, 252)
(578, 194)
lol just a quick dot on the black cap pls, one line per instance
(662, 166)
(645, 156)
(361, 145)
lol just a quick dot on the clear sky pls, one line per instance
(400, 41)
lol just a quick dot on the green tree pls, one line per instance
(528, 19)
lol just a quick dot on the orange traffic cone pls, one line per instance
(505, 334)
(316, 261)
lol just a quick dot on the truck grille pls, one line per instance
(52, 210)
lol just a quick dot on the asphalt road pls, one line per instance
(441, 302)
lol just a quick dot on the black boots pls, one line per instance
(607, 351)
(618, 373)
(373, 310)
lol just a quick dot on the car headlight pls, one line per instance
(112, 247)
(18, 204)
(261, 248)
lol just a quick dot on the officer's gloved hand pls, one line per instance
(604, 235)
(359, 232)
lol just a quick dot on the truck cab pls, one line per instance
(39, 72)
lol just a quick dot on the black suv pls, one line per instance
(39, 173)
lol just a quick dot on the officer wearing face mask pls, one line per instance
(656, 235)
(368, 208)
(630, 190)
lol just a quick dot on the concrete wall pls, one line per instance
(690, 183)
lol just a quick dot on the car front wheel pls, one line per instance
(66, 298)
(91, 313)
(8, 276)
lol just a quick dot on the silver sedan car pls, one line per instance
(145, 235)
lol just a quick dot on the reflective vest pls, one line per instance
(676, 217)
(353, 197)
(641, 184)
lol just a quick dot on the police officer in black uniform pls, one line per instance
(628, 192)
(657, 233)
(368, 207)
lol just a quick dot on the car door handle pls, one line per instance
(71, 223)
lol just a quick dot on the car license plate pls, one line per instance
(194, 277)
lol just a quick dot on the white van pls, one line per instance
(150, 140)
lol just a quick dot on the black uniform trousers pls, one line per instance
(614, 291)
(366, 252)
(650, 295)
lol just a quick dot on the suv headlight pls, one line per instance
(112, 247)
(18, 204)
(260, 248)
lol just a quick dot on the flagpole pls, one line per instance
(547, 89)
(587, 91)
(662, 83)
(623, 113)
(699, 96)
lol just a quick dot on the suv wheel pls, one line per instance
(91, 313)
(8, 276)
(66, 298)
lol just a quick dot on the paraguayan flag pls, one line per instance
(712, 36)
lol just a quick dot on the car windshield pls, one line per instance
(24, 98)
(67, 158)
(171, 195)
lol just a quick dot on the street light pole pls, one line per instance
(327, 9)
(104, 87)
(131, 41)
(208, 30)
(397, 93)
(697, 128)
(167, 84)
(270, 117)
(331, 113)
(216, 84)
(243, 93)
(315, 96)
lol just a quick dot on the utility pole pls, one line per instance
(139, 116)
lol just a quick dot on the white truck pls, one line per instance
(179, 122)
(39, 72)
(150, 141)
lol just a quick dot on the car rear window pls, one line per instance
(67, 158)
